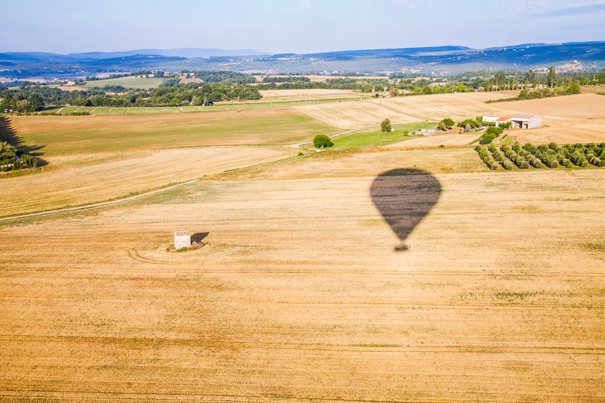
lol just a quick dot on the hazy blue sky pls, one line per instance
(299, 26)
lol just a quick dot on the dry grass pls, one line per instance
(361, 163)
(306, 94)
(89, 134)
(447, 139)
(89, 178)
(456, 106)
(299, 296)
(581, 106)
(355, 114)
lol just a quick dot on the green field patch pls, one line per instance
(153, 110)
(374, 137)
(135, 111)
(171, 110)
(89, 109)
(69, 109)
(101, 111)
(117, 111)
(190, 109)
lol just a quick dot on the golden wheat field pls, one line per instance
(354, 114)
(303, 292)
(83, 179)
(402, 273)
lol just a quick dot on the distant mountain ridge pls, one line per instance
(444, 60)
(188, 53)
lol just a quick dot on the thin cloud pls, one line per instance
(578, 10)
(411, 3)
(306, 4)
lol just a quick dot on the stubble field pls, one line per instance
(90, 178)
(355, 114)
(86, 134)
(300, 294)
(386, 274)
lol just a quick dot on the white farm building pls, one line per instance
(519, 121)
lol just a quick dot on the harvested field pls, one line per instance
(305, 93)
(84, 179)
(322, 78)
(449, 139)
(456, 106)
(361, 163)
(355, 114)
(89, 134)
(299, 295)
(564, 130)
(581, 106)
(128, 82)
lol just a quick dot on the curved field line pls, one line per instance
(97, 204)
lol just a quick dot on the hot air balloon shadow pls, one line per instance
(404, 197)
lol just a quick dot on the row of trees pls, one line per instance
(551, 156)
(33, 99)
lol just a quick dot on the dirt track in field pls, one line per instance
(299, 295)
(122, 174)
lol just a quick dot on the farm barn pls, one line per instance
(522, 121)
(519, 121)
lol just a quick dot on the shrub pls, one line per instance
(495, 166)
(495, 130)
(584, 163)
(524, 164)
(554, 164)
(487, 138)
(566, 163)
(385, 126)
(322, 141)
(446, 124)
(553, 146)
(508, 165)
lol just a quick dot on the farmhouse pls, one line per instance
(519, 121)
(424, 132)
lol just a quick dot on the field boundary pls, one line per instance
(98, 204)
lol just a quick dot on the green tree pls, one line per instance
(322, 141)
(551, 80)
(22, 105)
(574, 88)
(427, 90)
(446, 124)
(6, 150)
(385, 126)
(36, 102)
(378, 88)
